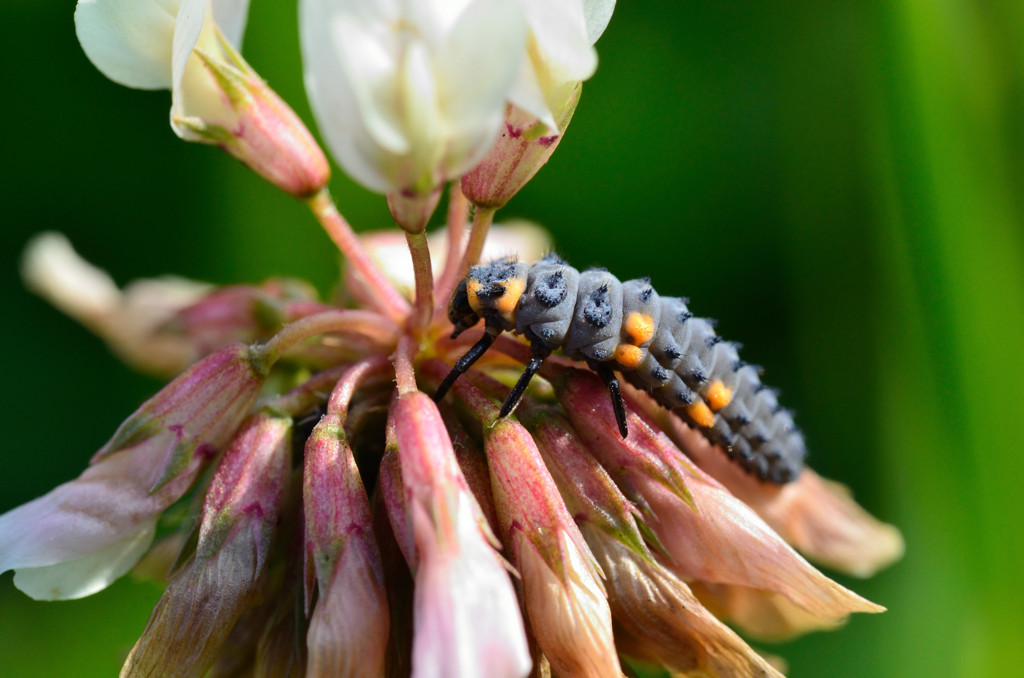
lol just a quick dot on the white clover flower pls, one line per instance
(410, 94)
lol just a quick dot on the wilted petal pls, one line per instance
(466, 617)
(562, 589)
(196, 612)
(821, 518)
(726, 542)
(666, 620)
(817, 516)
(722, 540)
(86, 533)
(759, 613)
(223, 579)
(127, 321)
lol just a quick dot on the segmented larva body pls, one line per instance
(654, 342)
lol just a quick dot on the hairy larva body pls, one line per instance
(654, 342)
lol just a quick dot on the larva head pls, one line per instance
(493, 290)
(460, 313)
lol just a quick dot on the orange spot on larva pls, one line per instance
(717, 395)
(506, 303)
(701, 414)
(639, 327)
(473, 288)
(628, 355)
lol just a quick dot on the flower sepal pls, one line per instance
(521, 149)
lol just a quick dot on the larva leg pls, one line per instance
(540, 354)
(491, 331)
(612, 382)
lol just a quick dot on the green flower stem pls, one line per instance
(385, 296)
(423, 308)
(365, 323)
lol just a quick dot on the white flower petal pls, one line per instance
(86, 575)
(231, 16)
(483, 51)
(598, 13)
(410, 96)
(128, 40)
(467, 621)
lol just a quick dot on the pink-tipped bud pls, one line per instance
(590, 494)
(247, 489)
(466, 619)
(522, 148)
(208, 595)
(340, 541)
(631, 461)
(257, 127)
(562, 589)
(195, 415)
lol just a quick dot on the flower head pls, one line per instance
(419, 535)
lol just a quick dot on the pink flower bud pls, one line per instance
(248, 486)
(257, 127)
(562, 589)
(339, 538)
(522, 148)
(194, 415)
(208, 595)
(466, 618)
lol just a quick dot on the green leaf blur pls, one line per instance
(839, 183)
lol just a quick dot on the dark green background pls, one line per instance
(839, 183)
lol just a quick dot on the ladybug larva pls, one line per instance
(654, 342)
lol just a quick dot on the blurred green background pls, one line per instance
(839, 183)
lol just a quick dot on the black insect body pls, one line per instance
(653, 341)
